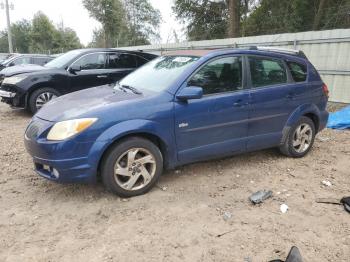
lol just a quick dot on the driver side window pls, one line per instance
(218, 76)
(91, 61)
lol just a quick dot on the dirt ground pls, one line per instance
(181, 218)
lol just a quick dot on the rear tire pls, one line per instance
(300, 138)
(132, 167)
(40, 97)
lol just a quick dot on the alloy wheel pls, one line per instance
(302, 138)
(43, 98)
(134, 169)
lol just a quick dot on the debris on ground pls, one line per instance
(326, 183)
(227, 215)
(260, 196)
(293, 256)
(346, 202)
(284, 208)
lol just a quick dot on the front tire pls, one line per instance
(40, 97)
(300, 138)
(132, 167)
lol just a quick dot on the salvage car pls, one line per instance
(25, 59)
(30, 87)
(180, 108)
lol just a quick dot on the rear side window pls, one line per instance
(122, 61)
(266, 72)
(298, 71)
(141, 61)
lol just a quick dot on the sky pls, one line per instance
(75, 16)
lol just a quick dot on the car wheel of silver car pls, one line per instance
(40, 97)
(300, 138)
(132, 167)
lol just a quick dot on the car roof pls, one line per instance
(195, 52)
(275, 52)
(89, 50)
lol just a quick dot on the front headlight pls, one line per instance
(13, 80)
(66, 129)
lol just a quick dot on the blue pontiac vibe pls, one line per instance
(179, 108)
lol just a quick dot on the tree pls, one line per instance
(21, 36)
(124, 23)
(233, 18)
(111, 15)
(143, 21)
(204, 19)
(43, 34)
(282, 16)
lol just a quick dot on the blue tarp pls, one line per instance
(340, 119)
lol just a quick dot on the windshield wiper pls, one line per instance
(132, 89)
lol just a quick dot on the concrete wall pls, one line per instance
(328, 50)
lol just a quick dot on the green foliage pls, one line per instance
(282, 16)
(111, 15)
(124, 23)
(39, 36)
(208, 19)
(204, 19)
(143, 22)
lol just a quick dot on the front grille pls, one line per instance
(33, 130)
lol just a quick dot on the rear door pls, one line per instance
(271, 95)
(217, 123)
(120, 65)
(93, 71)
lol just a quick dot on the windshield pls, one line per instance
(8, 60)
(158, 74)
(61, 61)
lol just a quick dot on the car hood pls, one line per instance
(86, 103)
(21, 69)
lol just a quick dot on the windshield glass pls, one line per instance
(62, 60)
(8, 60)
(158, 74)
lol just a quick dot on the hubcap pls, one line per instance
(43, 98)
(134, 169)
(302, 138)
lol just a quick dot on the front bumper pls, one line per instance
(6, 94)
(12, 95)
(67, 161)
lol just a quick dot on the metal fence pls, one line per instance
(328, 50)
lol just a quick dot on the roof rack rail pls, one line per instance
(279, 50)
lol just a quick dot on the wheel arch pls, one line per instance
(309, 110)
(140, 128)
(36, 87)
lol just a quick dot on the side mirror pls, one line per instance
(74, 68)
(192, 92)
(11, 64)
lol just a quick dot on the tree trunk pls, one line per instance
(317, 20)
(233, 18)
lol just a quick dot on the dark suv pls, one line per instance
(73, 71)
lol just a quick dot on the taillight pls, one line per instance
(325, 90)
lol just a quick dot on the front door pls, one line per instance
(93, 72)
(216, 124)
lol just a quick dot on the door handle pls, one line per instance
(290, 95)
(102, 76)
(239, 103)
